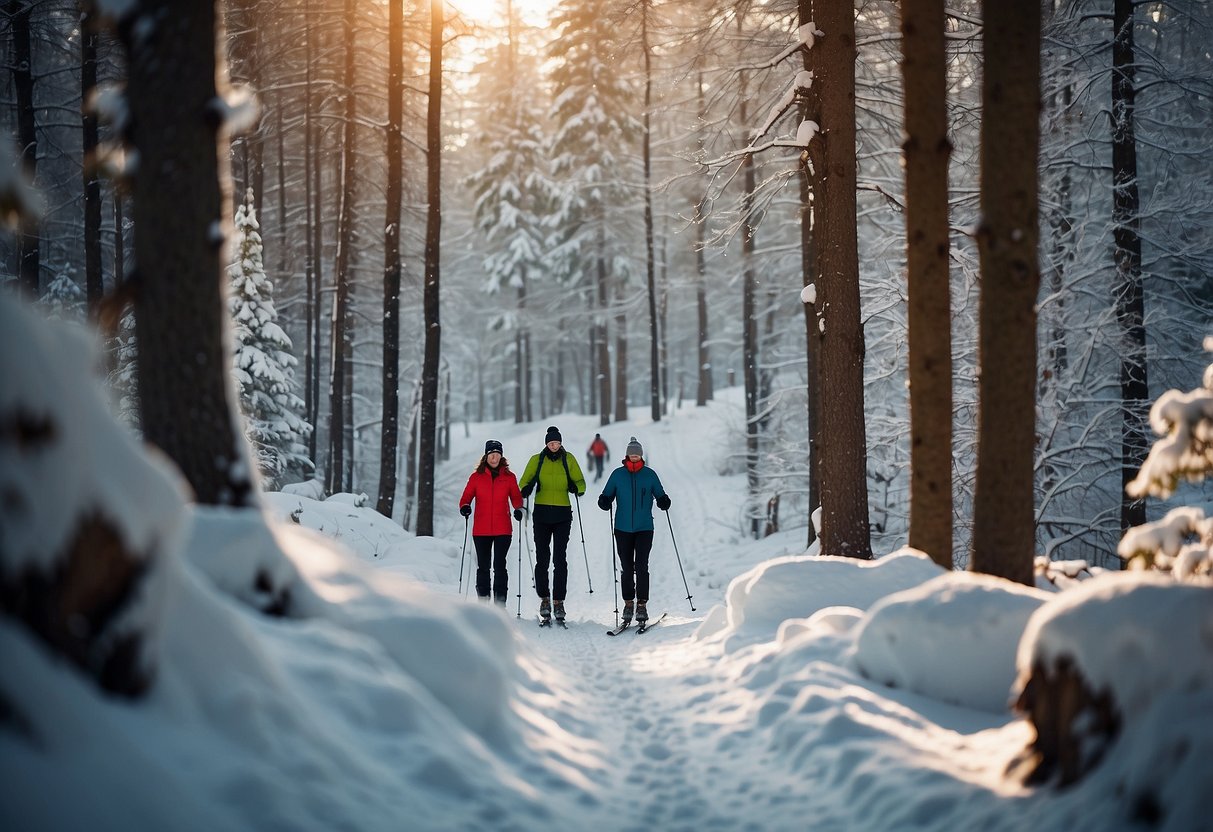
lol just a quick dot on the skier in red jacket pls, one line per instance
(596, 454)
(494, 488)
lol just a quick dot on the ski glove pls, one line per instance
(573, 489)
(465, 510)
(526, 489)
(604, 502)
(663, 502)
(517, 514)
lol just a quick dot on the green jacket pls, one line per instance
(553, 486)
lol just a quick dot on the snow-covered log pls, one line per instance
(89, 522)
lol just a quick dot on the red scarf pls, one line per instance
(633, 466)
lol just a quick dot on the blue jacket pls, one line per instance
(633, 494)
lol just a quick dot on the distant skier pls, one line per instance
(493, 487)
(553, 474)
(597, 454)
(634, 487)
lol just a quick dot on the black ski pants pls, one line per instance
(597, 467)
(552, 541)
(634, 562)
(496, 547)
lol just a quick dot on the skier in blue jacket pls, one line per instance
(635, 487)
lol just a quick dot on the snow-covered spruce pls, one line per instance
(263, 363)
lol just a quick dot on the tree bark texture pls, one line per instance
(341, 342)
(650, 266)
(1003, 514)
(843, 468)
(927, 150)
(703, 390)
(433, 237)
(29, 241)
(749, 326)
(1130, 300)
(389, 425)
(93, 282)
(604, 355)
(186, 393)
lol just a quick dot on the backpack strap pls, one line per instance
(564, 457)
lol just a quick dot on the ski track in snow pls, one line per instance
(642, 717)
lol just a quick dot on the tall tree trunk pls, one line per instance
(391, 268)
(93, 281)
(186, 395)
(927, 150)
(843, 470)
(749, 326)
(810, 109)
(654, 362)
(29, 242)
(1130, 300)
(340, 345)
(1003, 517)
(311, 361)
(316, 232)
(808, 264)
(703, 390)
(604, 356)
(621, 355)
(525, 345)
(282, 220)
(433, 237)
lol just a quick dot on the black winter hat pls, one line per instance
(553, 434)
(492, 446)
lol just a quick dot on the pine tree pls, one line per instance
(511, 191)
(263, 363)
(63, 298)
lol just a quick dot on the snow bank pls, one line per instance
(1132, 634)
(953, 638)
(797, 586)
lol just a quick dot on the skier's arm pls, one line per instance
(663, 499)
(528, 476)
(465, 499)
(578, 477)
(515, 494)
(608, 492)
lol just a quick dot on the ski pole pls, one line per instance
(684, 574)
(519, 577)
(462, 553)
(615, 563)
(583, 552)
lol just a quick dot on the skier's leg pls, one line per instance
(501, 577)
(543, 556)
(484, 546)
(560, 555)
(644, 544)
(627, 563)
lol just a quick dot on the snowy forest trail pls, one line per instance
(630, 699)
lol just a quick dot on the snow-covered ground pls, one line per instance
(801, 692)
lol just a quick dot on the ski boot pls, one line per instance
(558, 610)
(642, 613)
(628, 608)
(545, 610)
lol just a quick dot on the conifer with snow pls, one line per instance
(593, 124)
(63, 299)
(510, 188)
(1181, 542)
(262, 360)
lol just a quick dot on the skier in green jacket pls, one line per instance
(553, 474)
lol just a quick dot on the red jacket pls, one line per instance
(493, 496)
